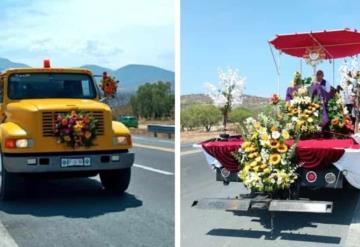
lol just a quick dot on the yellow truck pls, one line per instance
(34, 142)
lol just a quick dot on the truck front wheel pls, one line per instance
(116, 181)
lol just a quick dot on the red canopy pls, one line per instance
(335, 44)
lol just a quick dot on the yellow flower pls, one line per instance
(253, 164)
(245, 145)
(274, 144)
(310, 120)
(257, 125)
(264, 137)
(78, 126)
(67, 138)
(258, 158)
(253, 155)
(283, 148)
(275, 159)
(263, 166)
(285, 134)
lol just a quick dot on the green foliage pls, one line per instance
(238, 115)
(200, 115)
(153, 100)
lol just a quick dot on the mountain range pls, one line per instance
(130, 76)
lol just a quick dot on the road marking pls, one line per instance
(154, 170)
(170, 150)
(352, 239)
(191, 152)
(152, 139)
(5, 238)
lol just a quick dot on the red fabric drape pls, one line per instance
(314, 154)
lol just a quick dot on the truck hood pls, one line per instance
(34, 105)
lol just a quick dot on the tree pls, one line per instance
(238, 115)
(229, 92)
(200, 115)
(154, 100)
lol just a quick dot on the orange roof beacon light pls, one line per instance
(46, 63)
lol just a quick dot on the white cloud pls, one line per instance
(74, 32)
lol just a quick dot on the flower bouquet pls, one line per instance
(108, 85)
(266, 161)
(302, 114)
(340, 121)
(75, 129)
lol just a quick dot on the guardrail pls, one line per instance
(157, 128)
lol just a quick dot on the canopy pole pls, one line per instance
(333, 67)
(301, 66)
(277, 66)
(278, 82)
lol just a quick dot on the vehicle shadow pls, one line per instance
(73, 198)
(286, 226)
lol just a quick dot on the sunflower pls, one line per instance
(283, 148)
(275, 159)
(274, 143)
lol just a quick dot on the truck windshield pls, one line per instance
(51, 85)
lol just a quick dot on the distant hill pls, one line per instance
(6, 63)
(130, 76)
(249, 101)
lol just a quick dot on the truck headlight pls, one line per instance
(18, 143)
(122, 140)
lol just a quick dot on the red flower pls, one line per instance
(275, 99)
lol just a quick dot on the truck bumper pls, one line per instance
(44, 163)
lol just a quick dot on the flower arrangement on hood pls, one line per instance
(108, 85)
(76, 129)
(266, 161)
(303, 113)
(340, 121)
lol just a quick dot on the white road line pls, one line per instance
(154, 170)
(5, 238)
(352, 239)
(170, 150)
(191, 152)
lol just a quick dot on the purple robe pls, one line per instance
(318, 90)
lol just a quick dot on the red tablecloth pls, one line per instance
(314, 154)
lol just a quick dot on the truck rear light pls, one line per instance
(31, 161)
(311, 176)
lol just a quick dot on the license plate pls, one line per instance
(71, 162)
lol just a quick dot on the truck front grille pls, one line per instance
(48, 122)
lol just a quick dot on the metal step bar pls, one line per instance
(261, 203)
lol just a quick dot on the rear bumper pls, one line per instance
(52, 162)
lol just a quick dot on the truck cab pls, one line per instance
(31, 102)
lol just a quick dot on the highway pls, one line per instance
(215, 228)
(77, 212)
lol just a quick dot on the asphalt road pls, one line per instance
(213, 228)
(77, 212)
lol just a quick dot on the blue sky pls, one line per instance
(109, 33)
(231, 33)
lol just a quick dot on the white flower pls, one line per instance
(310, 120)
(275, 134)
(294, 119)
(316, 114)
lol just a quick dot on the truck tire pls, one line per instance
(116, 181)
(8, 183)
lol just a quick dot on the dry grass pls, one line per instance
(199, 135)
